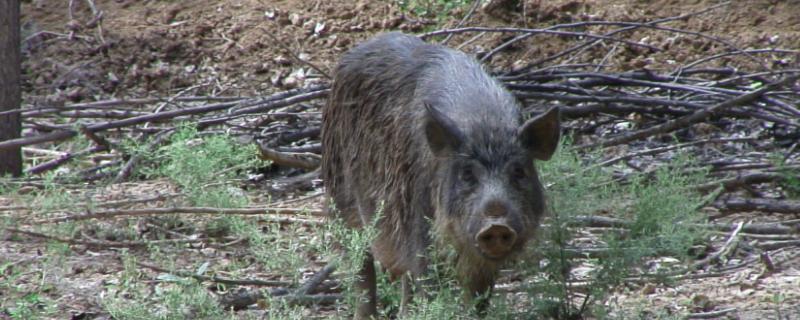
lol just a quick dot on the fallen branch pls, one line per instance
(698, 116)
(106, 214)
(757, 204)
(217, 279)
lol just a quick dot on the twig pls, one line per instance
(755, 204)
(730, 244)
(52, 164)
(294, 56)
(128, 167)
(105, 244)
(257, 105)
(694, 117)
(308, 161)
(475, 5)
(105, 214)
(217, 279)
(314, 281)
(710, 314)
(665, 149)
(742, 180)
(549, 30)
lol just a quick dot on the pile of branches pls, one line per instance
(748, 114)
(637, 117)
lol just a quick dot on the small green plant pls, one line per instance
(274, 248)
(202, 166)
(660, 212)
(172, 298)
(438, 9)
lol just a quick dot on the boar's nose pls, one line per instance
(496, 240)
(495, 209)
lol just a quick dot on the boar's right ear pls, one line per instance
(540, 134)
(442, 133)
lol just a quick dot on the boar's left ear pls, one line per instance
(540, 134)
(442, 133)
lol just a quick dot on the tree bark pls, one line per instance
(10, 96)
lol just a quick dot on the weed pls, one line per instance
(437, 9)
(172, 298)
(660, 208)
(202, 166)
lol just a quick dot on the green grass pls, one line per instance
(659, 206)
(203, 166)
(440, 10)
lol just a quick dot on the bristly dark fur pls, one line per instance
(375, 152)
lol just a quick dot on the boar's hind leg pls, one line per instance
(405, 300)
(367, 290)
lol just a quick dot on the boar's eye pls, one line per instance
(467, 175)
(518, 171)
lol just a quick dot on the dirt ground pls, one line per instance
(245, 47)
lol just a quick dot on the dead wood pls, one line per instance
(695, 117)
(755, 204)
(217, 279)
(308, 161)
(108, 214)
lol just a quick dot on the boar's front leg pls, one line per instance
(367, 290)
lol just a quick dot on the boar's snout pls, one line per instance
(496, 240)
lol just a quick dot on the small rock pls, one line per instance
(282, 61)
(283, 20)
(342, 42)
(319, 28)
(309, 26)
(26, 190)
(392, 22)
(75, 94)
(296, 19)
(347, 15)
(73, 25)
(295, 79)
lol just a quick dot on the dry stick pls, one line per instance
(710, 314)
(104, 244)
(772, 245)
(466, 17)
(757, 204)
(308, 161)
(34, 112)
(595, 41)
(288, 50)
(665, 149)
(725, 54)
(217, 279)
(315, 280)
(128, 167)
(66, 134)
(741, 180)
(187, 210)
(55, 163)
(755, 228)
(546, 31)
(697, 116)
(243, 298)
(730, 244)
(107, 204)
(322, 92)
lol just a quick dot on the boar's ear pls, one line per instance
(540, 134)
(441, 132)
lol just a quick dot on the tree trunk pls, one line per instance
(10, 96)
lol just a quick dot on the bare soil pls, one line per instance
(246, 47)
